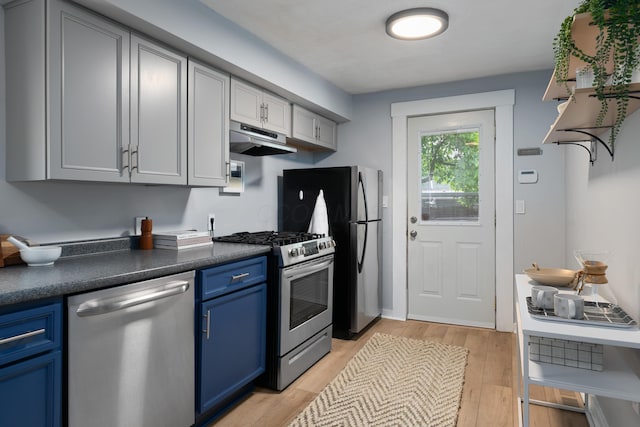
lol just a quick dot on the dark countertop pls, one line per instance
(84, 273)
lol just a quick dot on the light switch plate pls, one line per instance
(520, 207)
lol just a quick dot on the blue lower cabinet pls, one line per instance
(232, 345)
(31, 365)
(30, 392)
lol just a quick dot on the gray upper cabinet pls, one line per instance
(89, 101)
(253, 106)
(327, 133)
(313, 131)
(158, 152)
(67, 118)
(208, 126)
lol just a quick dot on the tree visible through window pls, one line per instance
(450, 175)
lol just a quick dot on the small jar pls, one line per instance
(146, 239)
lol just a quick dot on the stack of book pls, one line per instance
(181, 239)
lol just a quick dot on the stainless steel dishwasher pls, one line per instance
(131, 355)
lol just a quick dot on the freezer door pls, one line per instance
(369, 189)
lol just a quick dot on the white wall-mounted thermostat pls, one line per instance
(528, 176)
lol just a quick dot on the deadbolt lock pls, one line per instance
(413, 220)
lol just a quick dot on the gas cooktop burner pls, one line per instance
(269, 238)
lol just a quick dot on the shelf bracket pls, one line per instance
(592, 157)
(593, 138)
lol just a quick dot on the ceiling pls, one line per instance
(345, 41)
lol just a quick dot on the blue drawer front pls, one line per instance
(222, 279)
(30, 392)
(28, 332)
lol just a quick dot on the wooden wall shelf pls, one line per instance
(576, 123)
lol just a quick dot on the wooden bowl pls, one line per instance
(553, 276)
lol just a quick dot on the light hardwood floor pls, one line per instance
(488, 398)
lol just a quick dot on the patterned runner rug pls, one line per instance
(392, 381)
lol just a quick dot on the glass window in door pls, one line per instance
(449, 179)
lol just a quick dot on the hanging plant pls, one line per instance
(617, 42)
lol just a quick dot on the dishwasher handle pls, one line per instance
(107, 305)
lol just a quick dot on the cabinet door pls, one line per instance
(233, 344)
(246, 103)
(304, 125)
(208, 133)
(277, 114)
(89, 96)
(326, 133)
(158, 114)
(31, 391)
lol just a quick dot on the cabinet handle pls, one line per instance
(21, 336)
(135, 152)
(237, 277)
(266, 112)
(318, 132)
(208, 317)
(228, 171)
(262, 112)
(125, 159)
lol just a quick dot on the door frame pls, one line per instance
(502, 101)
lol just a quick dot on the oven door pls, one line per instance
(306, 303)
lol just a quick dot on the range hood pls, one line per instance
(253, 141)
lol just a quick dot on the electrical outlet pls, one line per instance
(636, 407)
(211, 222)
(137, 227)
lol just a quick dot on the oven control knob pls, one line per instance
(294, 252)
(322, 245)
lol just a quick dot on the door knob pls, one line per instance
(413, 220)
(413, 234)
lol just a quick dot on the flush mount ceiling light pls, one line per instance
(417, 24)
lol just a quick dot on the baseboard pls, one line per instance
(595, 416)
(390, 314)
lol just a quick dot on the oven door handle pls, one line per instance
(307, 269)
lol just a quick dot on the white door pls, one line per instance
(451, 218)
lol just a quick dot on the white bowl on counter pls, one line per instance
(38, 256)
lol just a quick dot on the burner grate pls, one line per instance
(269, 238)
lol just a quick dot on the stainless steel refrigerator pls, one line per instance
(353, 197)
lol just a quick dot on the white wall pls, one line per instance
(602, 213)
(62, 211)
(56, 211)
(196, 29)
(366, 140)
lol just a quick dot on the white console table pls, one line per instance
(620, 377)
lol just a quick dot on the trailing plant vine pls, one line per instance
(617, 42)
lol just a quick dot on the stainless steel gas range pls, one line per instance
(299, 301)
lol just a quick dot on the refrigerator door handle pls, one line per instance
(364, 246)
(366, 222)
(364, 196)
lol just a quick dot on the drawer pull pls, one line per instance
(22, 336)
(208, 317)
(237, 277)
